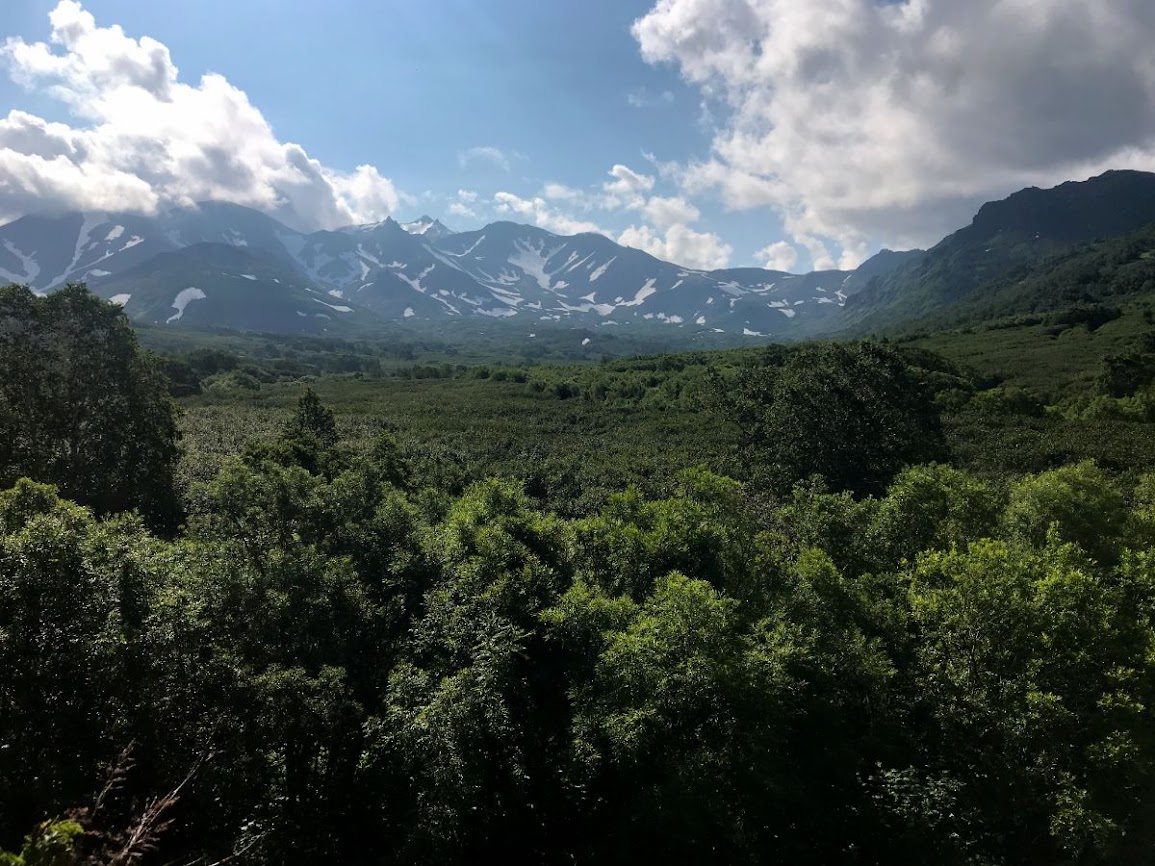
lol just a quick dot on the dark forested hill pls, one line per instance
(1006, 241)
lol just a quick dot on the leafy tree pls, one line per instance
(314, 418)
(1079, 501)
(309, 440)
(854, 414)
(67, 604)
(1033, 669)
(659, 714)
(82, 407)
(704, 530)
(467, 715)
(932, 507)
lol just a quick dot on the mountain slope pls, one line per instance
(1006, 237)
(1114, 271)
(210, 284)
(45, 252)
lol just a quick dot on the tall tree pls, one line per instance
(81, 406)
(852, 413)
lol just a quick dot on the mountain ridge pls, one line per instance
(388, 271)
(424, 272)
(1014, 234)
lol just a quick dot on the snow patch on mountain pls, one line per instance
(183, 298)
(87, 224)
(532, 260)
(600, 272)
(415, 282)
(31, 267)
(474, 246)
(574, 267)
(339, 309)
(365, 254)
(426, 227)
(646, 291)
(600, 309)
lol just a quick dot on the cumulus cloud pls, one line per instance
(145, 140)
(492, 155)
(561, 192)
(680, 245)
(779, 256)
(627, 189)
(860, 120)
(539, 211)
(665, 211)
(665, 232)
(464, 205)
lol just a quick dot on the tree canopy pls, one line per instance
(853, 413)
(81, 406)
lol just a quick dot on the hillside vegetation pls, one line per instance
(832, 603)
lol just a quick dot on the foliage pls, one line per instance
(715, 607)
(52, 843)
(80, 405)
(854, 414)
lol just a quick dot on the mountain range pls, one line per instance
(229, 266)
(224, 265)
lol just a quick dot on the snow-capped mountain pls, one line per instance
(47, 252)
(428, 227)
(223, 284)
(390, 271)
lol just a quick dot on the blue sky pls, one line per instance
(407, 86)
(500, 95)
(789, 133)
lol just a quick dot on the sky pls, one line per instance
(792, 134)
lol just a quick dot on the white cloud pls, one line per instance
(146, 140)
(861, 120)
(821, 259)
(464, 206)
(779, 256)
(561, 192)
(681, 245)
(667, 211)
(665, 234)
(627, 189)
(538, 211)
(492, 155)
